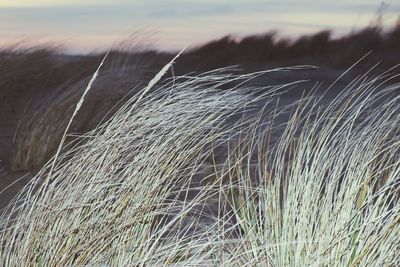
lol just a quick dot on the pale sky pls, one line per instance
(83, 26)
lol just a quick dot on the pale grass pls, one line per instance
(318, 189)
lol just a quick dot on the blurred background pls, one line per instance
(85, 26)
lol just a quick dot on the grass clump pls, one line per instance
(186, 174)
(327, 192)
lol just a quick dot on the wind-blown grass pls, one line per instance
(327, 193)
(46, 117)
(188, 174)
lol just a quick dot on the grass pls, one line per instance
(335, 201)
(29, 76)
(186, 174)
(47, 113)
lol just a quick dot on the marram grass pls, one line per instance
(188, 174)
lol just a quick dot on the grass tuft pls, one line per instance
(186, 174)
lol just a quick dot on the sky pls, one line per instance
(84, 26)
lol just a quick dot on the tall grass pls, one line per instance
(327, 192)
(187, 174)
(47, 113)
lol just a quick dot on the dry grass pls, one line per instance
(186, 174)
(42, 127)
(53, 94)
(41, 80)
(327, 193)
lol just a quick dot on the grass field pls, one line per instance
(187, 174)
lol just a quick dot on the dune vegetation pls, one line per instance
(41, 84)
(200, 164)
(187, 174)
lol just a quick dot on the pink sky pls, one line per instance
(85, 26)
